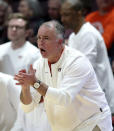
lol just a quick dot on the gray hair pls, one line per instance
(59, 29)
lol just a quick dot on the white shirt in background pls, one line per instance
(90, 42)
(35, 120)
(11, 61)
(9, 101)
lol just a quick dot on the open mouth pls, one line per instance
(42, 51)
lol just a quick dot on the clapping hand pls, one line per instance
(26, 79)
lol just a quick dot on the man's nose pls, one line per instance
(40, 42)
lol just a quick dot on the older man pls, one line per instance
(73, 98)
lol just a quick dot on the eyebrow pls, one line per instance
(43, 36)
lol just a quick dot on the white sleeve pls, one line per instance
(13, 93)
(88, 46)
(35, 101)
(74, 80)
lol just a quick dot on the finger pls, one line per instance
(20, 83)
(18, 77)
(31, 70)
(22, 75)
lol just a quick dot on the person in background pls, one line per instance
(89, 41)
(4, 7)
(73, 98)
(18, 53)
(9, 101)
(33, 121)
(103, 20)
(54, 7)
(32, 10)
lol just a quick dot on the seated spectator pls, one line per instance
(103, 20)
(54, 7)
(4, 7)
(18, 53)
(32, 10)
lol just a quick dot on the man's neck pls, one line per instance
(17, 44)
(77, 28)
(57, 57)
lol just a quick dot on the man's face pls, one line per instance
(47, 42)
(24, 8)
(16, 29)
(69, 17)
(54, 9)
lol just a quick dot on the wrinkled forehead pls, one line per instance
(46, 29)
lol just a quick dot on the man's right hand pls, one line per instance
(26, 79)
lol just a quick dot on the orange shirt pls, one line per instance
(105, 24)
